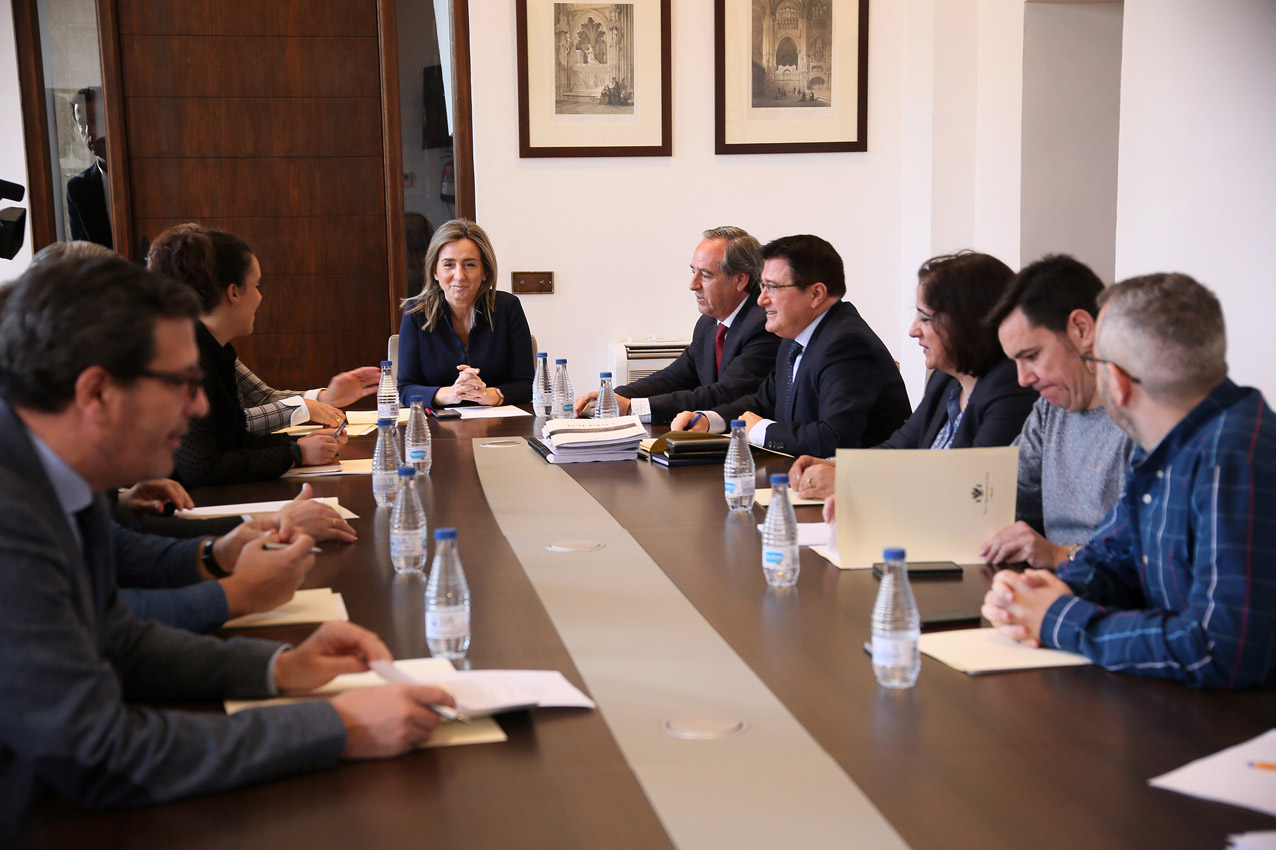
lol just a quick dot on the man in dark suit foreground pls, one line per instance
(834, 384)
(731, 351)
(99, 378)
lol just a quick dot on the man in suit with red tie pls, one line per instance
(731, 350)
(834, 384)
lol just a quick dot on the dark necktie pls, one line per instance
(786, 407)
(717, 347)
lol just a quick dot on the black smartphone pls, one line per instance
(925, 569)
(446, 413)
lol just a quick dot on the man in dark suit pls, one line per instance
(86, 193)
(834, 383)
(730, 352)
(99, 378)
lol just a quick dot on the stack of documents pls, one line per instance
(585, 440)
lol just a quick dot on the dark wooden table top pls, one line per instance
(1054, 758)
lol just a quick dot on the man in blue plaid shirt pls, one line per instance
(1179, 582)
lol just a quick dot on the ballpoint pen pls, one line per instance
(448, 713)
(694, 420)
(274, 547)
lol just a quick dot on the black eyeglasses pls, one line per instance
(1090, 358)
(771, 288)
(192, 381)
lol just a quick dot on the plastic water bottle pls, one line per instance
(407, 526)
(738, 472)
(416, 439)
(386, 461)
(779, 537)
(447, 600)
(542, 395)
(564, 401)
(387, 394)
(606, 406)
(896, 626)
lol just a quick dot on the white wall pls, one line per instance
(1197, 174)
(13, 163)
(1071, 112)
(619, 233)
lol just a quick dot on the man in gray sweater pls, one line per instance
(1072, 456)
(99, 378)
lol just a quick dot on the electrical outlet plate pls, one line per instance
(532, 283)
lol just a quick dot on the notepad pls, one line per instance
(763, 497)
(318, 605)
(483, 730)
(499, 412)
(257, 509)
(345, 467)
(976, 651)
(1228, 777)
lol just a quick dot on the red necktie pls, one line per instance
(717, 346)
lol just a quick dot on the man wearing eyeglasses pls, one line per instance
(1178, 582)
(97, 365)
(834, 383)
(730, 351)
(1072, 456)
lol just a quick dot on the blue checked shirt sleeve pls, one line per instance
(1202, 610)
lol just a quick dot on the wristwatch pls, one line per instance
(209, 560)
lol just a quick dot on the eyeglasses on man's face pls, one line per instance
(1090, 358)
(192, 381)
(771, 288)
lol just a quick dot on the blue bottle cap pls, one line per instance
(604, 374)
(445, 534)
(780, 479)
(406, 472)
(561, 360)
(737, 423)
(385, 363)
(542, 354)
(892, 553)
(416, 397)
(384, 422)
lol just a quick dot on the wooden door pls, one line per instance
(275, 120)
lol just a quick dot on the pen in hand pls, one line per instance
(275, 547)
(448, 713)
(694, 420)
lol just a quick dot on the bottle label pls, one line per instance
(384, 482)
(738, 485)
(418, 454)
(388, 409)
(405, 544)
(451, 621)
(779, 557)
(895, 650)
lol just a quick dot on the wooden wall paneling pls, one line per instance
(117, 134)
(392, 144)
(250, 66)
(463, 124)
(320, 303)
(243, 187)
(230, 17)
(254, 127)
(35, 124)
(304, 245)
(294, 362)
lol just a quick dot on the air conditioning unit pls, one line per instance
(630, 360)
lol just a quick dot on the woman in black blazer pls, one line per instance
(973, 397)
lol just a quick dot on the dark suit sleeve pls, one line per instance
(198, 608)
(744, 374)
(1003, 406)
(79, 230)
(411, 377)
(201, 461)
(148, 560)
(64, 715)
(514, 346)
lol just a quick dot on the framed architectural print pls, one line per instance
(791, 76)
(593, 78)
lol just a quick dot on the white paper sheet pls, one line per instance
(369, 417)
(257, 509)
(977, 651)
(345, 467)
(498, 412)
(483, 730)
(483, 692)
(810, 533)
(1228, 777)
(1252, 841)
(763, 497)
(317, 605)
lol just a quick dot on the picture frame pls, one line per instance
(594, 78)
(790, 76)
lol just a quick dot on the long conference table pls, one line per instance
(1051, 758)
